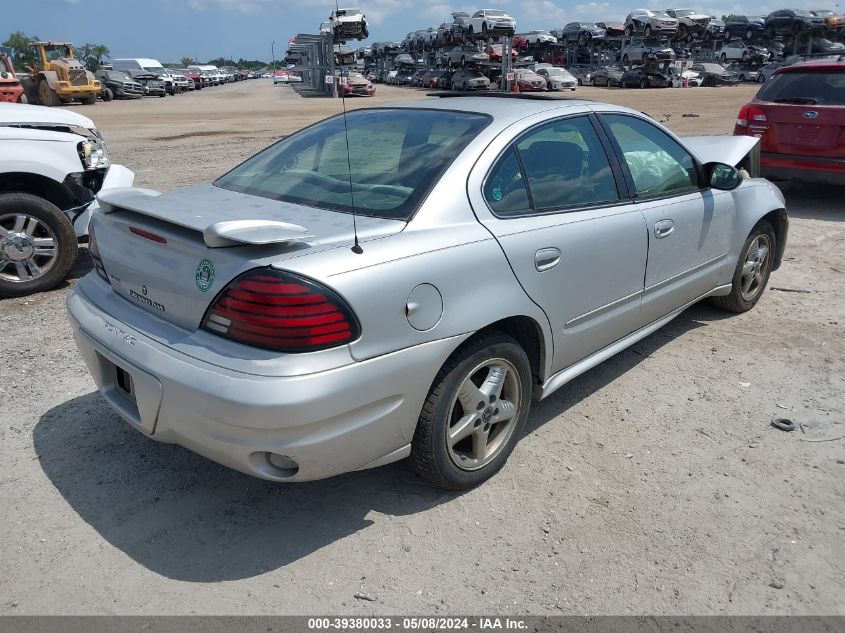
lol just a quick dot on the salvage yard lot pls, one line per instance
(651, 484)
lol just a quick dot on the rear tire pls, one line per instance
(108, 95)
(752, 270)
(480, 368)
(53, 231)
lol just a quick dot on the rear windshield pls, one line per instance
(395, 157)
(811, 88)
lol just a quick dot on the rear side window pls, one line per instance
(556, 166)
(810, 88)
(505, 189)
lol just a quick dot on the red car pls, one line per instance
(799, 117)
(495, 52)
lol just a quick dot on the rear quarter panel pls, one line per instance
(443, 245)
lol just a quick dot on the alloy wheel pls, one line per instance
(483, 414)
(28, 248)
(756, 267)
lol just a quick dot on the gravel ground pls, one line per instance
(653, 484)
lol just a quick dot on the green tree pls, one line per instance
(186, 61)
(22, 53)
(92, 55)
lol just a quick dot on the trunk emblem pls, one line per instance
(811, 114)
(205, 275)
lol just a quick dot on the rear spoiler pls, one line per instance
(216, 235)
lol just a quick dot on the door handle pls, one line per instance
(546, 258)
(664, 228)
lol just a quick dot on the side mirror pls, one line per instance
(722, 176)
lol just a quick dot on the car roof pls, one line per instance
(504, 110)
(814, 65)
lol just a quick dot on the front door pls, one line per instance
(689, 226)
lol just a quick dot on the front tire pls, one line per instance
(38, 246)
(752, 270)
(475, 413)
(46, 95)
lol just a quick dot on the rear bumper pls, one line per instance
(802, 169)
(359, 415)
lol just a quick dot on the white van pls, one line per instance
(150, 65)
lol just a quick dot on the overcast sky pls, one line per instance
(170, 29)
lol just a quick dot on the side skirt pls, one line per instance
(565, 375)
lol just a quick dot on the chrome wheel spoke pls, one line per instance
(22, 272)
(462, 429)
(20, 221)
(747, 269)
(470, 396)
(32, 268)
(4, 232)
(44, 242)
(479, 444)
(30, 226)
(746, 283)
(494, 382)
(506, 409)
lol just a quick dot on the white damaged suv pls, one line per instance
(52, 165)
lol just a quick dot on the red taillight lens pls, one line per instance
(94, 250)
(282, 312)
(750, 121)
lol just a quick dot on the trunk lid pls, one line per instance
(804, 130)
(171, 254)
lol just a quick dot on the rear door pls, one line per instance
(689, 226)
(576, 243)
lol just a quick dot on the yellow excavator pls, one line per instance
(57, 77)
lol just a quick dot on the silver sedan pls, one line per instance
(314, 312)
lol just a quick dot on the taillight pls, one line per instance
(281, 311)
(94, 250)
(751, 121)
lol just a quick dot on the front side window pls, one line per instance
(659, 165)
(556, 166)
(395, 156)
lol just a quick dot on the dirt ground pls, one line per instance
(653, 484)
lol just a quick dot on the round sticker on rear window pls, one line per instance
(497, 194)
(205, 275)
